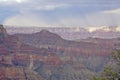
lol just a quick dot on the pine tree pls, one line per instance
(109, 73)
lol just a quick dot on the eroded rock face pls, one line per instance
(3, 33)
(17, 60)
(18, 73)
(60, 60)
(8, 44)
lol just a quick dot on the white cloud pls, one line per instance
(31, 19)
(90, 20)
(25, 20)
(50, 7)
(118, 29)
(103, 19)
(92, 29)
(96, 19)
(11, 2)
(29, 14)
(115, 11)
(103, 28)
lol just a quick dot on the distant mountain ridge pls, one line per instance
(72, 33)
(46, 39)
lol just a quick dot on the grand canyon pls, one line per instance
(49, 55)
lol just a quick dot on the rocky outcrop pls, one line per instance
(18, 73)
(8, 43)
(3, 33)
(18, 60)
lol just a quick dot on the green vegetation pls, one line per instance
(109, 73)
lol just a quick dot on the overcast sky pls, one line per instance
(60, 13)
